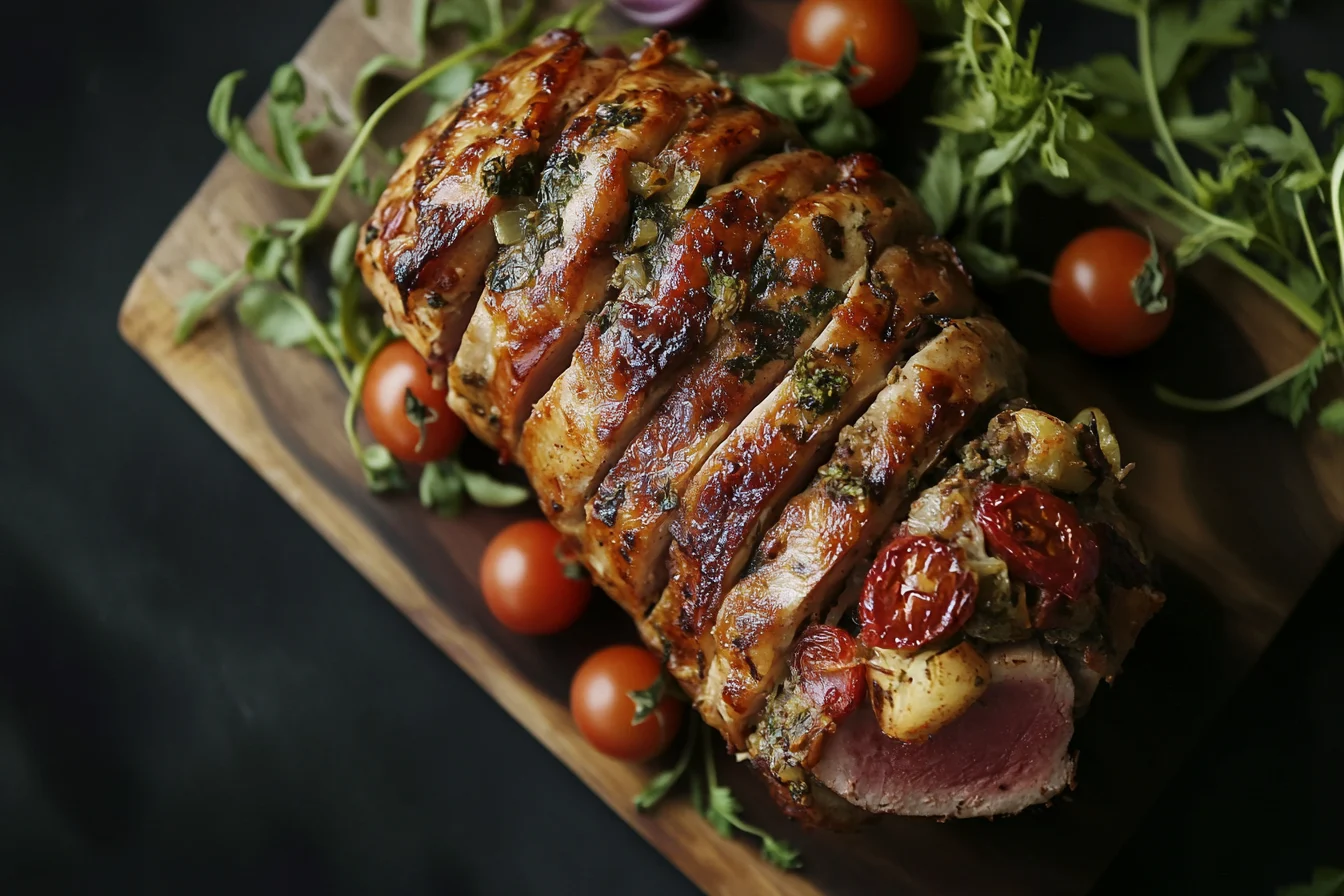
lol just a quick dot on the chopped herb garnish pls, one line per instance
(667, 497)
(818, 387)
(842, 483)
(610, 116)
(729, 292)
(500, 177)
(821, 299)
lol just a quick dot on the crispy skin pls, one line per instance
(774, 451)
(429, 239)
(828, 528)
(798, 277)
(523, 333)
(622, 369)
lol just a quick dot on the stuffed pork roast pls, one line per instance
(765, 407)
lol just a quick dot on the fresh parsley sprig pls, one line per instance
(711, 799)
(1263, 201)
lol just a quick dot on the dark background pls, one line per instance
(197, 694)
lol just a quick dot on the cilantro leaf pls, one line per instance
(441, 489)
(1330, 88)
(815, 99)
(274, 315)
(490, 492)
(1293, 398)
(382, 473)
(1331, 417)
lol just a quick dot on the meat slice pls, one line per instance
(807, 263)
(776, 449)
(541, 290)
(1007, 752)
(827, 529)
(427, 244)
(661, 319)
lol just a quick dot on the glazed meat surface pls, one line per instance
(732, 368)
(542, 290)
(659, 320)
(823, 532)
(771, 455)
(429, 239)
(803, 271)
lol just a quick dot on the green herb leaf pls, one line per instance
(657, 788)
(272, 315)
(1293, 399)
(441, 487)
(781, 854)
(940, 187)
(489, 492)
(207, 272)
(382, 473)
(195, 304)
(342, 262)
(646, 701)
(816, 100)
(1330, 88)
(1331, 417)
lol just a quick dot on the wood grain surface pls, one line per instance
(1242, 510)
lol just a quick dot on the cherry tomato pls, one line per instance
(919, 590)
(1039, 537)
(1099, 297)
(525, 584)
(603, 708)
(406, 414)
(829, 670)
(885, 36)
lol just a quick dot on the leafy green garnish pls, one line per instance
(446, 483)
(816, 99)
(711, 799)
(1266, 204)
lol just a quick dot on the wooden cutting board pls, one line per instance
(1242, 510)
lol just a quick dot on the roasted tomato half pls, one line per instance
(829, 670)
(1039, 537)
(918, 591)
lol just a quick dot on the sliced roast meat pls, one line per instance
(429, 240)
(541, 289)
(807, 263)
(804, 559)
(663, 316)
(775, 450)
(1008, 752)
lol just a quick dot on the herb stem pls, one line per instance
(323, 337)
(1231, 402)
(1262, 278)
(1143, 15)
(325, 200)
(356, 388)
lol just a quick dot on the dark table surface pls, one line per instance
(197, 694)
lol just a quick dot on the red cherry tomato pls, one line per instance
(829, 670)
(885, 36)
(405, 413)
(1093, 293)
(919, 590)
(1039, 537)
(525, 584)
(603, 708)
